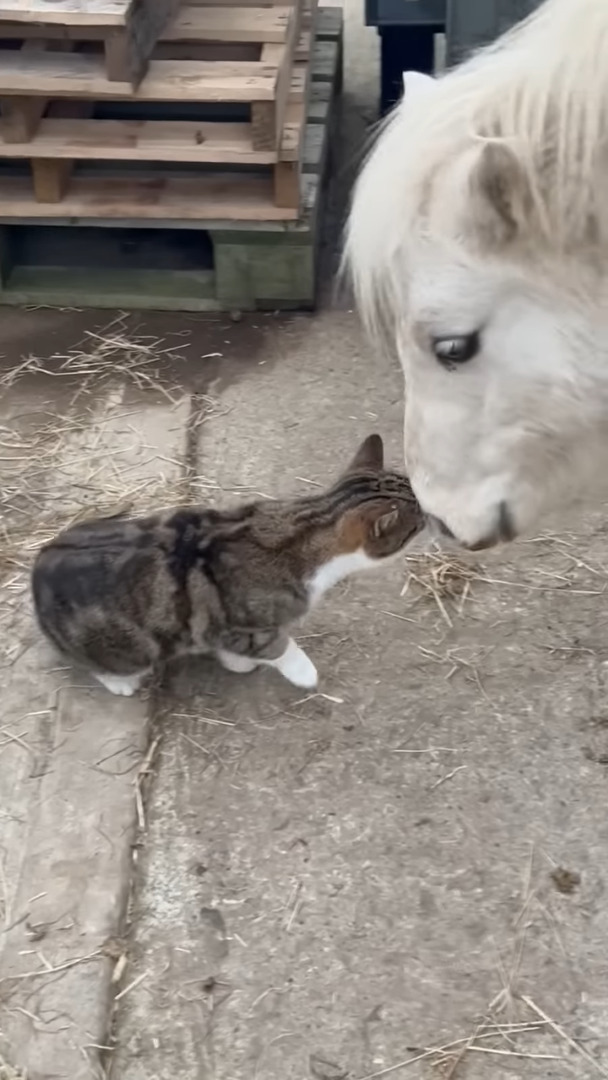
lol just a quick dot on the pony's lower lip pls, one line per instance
(503, 533)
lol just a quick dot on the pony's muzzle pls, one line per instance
(503, 532)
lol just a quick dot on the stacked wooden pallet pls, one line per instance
(153, 84)
(197, 183)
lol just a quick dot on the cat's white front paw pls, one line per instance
(241, 665)
(122, 685)
(296, 666)
(303, 673)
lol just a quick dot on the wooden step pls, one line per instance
(141, 140)
(80, 75)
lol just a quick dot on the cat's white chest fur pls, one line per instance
(341, 566)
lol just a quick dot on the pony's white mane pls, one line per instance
(542, 88)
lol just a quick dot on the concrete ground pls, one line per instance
(403, 875)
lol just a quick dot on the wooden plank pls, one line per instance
(242, 25)
(67, 12)
(106, 14)
(82, 75)
(217, 197)
(286, 176)
(130, 28)
(238, 24)
(302, 52)
(247, 273)
(233, 3)
(294, 120)
(21, 115)
(128, 50)
(142, 140)
(284, 78)
(225, 51)
(50, 178)
(267, 124)
(51, 175)
(263, 125)
(62, 286)
(20, 118)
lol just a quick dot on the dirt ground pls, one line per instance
(403, 875)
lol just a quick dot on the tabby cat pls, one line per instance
(123, 595)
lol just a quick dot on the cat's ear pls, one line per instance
(370, 455)
(385, 524)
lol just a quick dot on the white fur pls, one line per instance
(122, 685)
(336, 570)
(295, 665)
(240, 665)
(527, 418)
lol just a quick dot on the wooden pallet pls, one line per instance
(182, 261)
(53, 96)
(129, 29)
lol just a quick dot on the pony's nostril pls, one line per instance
(506, 526)
(504, 532)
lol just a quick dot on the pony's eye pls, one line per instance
(456, 350)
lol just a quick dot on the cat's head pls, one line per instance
(381, 513)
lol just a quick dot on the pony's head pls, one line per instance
(477, 246)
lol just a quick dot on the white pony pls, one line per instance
(478, 248)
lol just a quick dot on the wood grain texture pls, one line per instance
(221, 197)
(82, 75)
(143, 140)
(238, 24)
(144, 23)
(68, 12)
(263, 258)
(287, 184)
(50, 179)
(267, 124)
(21, 115)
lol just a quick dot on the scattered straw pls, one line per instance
(558, 1029)
(49, 969)
(131, 986)
(142, 774)
(444, 779)
(213, 720)
(89, 458)
(119, 969)
(451, 1054)
(444, 577)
